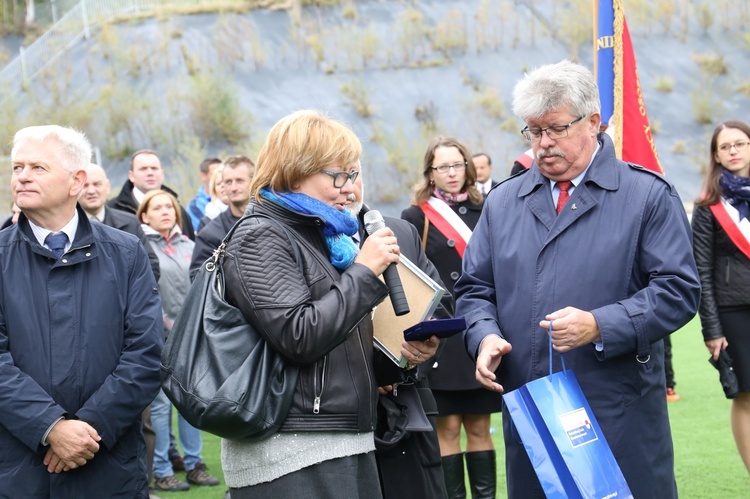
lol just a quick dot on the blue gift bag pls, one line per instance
(564, 442)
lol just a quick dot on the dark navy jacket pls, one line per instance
(620, 249)
(209, 238)
(80, 337)
(128, 223)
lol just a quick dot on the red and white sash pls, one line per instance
(737, 230)
(447, 222)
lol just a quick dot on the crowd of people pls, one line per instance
(531, 259)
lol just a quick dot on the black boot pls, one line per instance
(453, 472)
(482, 474)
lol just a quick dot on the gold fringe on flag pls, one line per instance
(618, 90)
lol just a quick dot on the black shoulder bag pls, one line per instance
(217, 370)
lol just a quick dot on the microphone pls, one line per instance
(373, 223)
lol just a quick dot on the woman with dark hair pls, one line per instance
(317, 318)
(445, 208)
(721, 243)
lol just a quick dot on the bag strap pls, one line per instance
(424, 233)
(217, 258)
(562, 359)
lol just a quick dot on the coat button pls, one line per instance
(65, 260)
(451, 243)
(454, 275)
(462, 210)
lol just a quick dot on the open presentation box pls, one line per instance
(423, 296)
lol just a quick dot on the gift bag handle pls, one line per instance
(562, 359)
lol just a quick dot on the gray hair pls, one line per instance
(554, 86)
(75, 146)
(356, 206)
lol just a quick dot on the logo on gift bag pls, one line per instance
(578, 427)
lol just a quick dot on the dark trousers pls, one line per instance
(412, 467)
(150, 438)
(352, 477)
(668, 371)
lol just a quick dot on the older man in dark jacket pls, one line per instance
(596, 251)
(80, 334)
(409, 462)
(93, 200)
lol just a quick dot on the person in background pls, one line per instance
(160, 214)
(483, 166)
(317, 317)
(596, 250)
(722, 253)
(93, 200)
(197, 206)
(13, 218)
(672, 395)
(445, 209)
(522, 162)
(80, 334)
(409, 463)
(146, 174)
(236, 174)
(219, 202)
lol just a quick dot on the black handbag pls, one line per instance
(217, 370)
(727, 376)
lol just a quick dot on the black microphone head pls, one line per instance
(373, 221)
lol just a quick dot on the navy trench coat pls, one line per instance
(620, 249)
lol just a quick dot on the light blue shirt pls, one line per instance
(556, 190)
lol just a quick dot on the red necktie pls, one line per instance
(564, 186)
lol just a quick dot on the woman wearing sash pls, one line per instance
(721, 240)
(445, 208)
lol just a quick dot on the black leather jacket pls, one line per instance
(724, 271)
(320, 320)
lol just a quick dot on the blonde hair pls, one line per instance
(300, 145)
(216, 179)
(143, 208)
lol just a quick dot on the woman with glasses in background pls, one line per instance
(721, 243)
(445, 208)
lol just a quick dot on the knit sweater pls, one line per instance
(251, 463)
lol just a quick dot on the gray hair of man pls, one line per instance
(555, 86)
(355, 205)
(75, 146)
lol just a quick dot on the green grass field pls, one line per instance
(707, 464)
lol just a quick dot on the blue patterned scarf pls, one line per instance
(736, 191)
(339, 225)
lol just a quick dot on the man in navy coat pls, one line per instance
(80, 334)
(614, 270)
